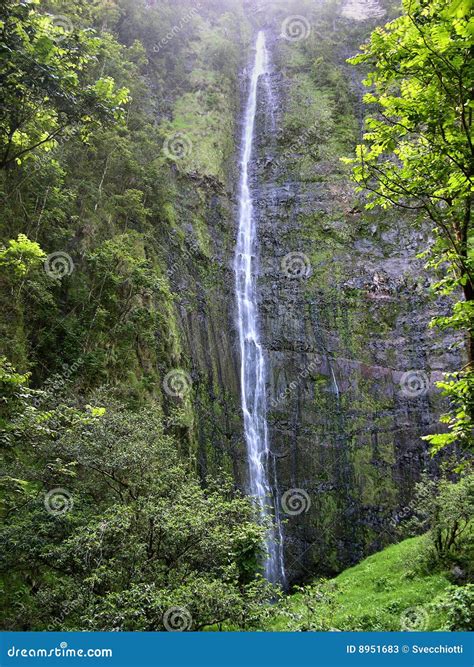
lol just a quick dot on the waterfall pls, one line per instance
(262, 477)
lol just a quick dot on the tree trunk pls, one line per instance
(468, 290)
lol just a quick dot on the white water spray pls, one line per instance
(252, 369)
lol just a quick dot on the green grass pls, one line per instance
(373, 595)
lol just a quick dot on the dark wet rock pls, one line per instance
(341, 338)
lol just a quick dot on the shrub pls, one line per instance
(458, 604)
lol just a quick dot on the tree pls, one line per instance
(45, 82)
(20, 255)
(418, 151)
(107, 529)
(445, 509)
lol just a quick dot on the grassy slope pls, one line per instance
(372, 595)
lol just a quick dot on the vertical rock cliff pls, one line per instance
(344, 303)
(344, 309)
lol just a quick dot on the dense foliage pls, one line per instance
(48, 82)
(418, 155)
(385, 592)
(106, 521)
(107, 529)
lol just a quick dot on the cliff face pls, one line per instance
(344, 311)
(345, 314)
(202, 285)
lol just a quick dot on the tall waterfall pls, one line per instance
(262, 479)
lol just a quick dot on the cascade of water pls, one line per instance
(252, 370)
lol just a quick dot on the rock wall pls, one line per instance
(203, 286)
(345, 309)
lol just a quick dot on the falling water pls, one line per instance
(252, 370)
